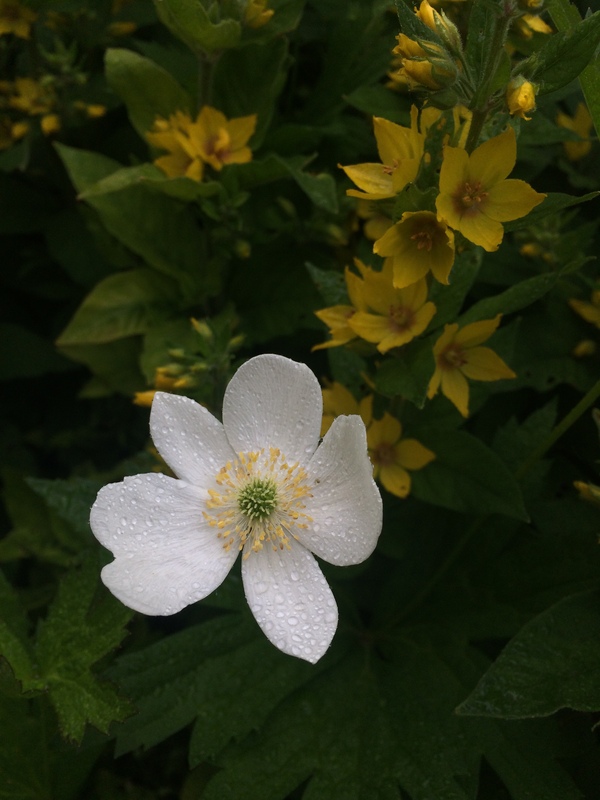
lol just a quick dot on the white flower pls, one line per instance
(260, 483)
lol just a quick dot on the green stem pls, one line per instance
(563, 426)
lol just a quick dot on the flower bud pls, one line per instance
(520, 97)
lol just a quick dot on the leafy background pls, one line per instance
(467, 661)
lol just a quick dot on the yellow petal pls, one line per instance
(393, 141)
(493, 160)
(511, 199)
(240, 130)
(445, 339)
(434, 383)
(371, 178)
(411, 454)
(589, 312)
(386, 430)
(481, 229)
(371, 327)
(395, 479)
(477, 332)
(455, 387)
(483, 364)
(453, 173)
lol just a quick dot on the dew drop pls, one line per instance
(261, 587)
(292, 620)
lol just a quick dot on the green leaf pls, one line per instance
(563, 56)
(412, 26)
(153, 178)
(81, 627)
(449, 299)
(513, 299)
(554, 202)
(189, 21)
(70, 499)
(330, 285)
(249, 81)
(408, 374)
(162, 231)
(15, 646)
(552, 663)
(26, 354)
(124, 304)
(223, 673)
(466, 476)
(147, 90)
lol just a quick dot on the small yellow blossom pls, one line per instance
(16, 19)
(590, 312)
(337, 317)
(257, 13)
(528, 24)
(399, 314)
(584, 349)
(375, 223)
(50, 123)
(581, 124)
(475, 197)
(520, 97)
(32, 97)
(175, 135)
(400, 150)
(588, 492)
(144, 398)
(458, 356)
(424, 65)
(416, 245)
(394, 457)
(223, 141)
(337, 399)
(210, 139)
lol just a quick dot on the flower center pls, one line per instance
(423, 240)
(384, 455)
(471, 195)
(259, 499)
(453, 358)
(389, 169)
(401, 318)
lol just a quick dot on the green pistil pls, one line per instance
(258, 499)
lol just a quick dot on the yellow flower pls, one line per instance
(375, 223)
(50, 123)
(32, 97)
(589, 311)
(257, 14)
(439, 23)
(520, 97)
(400, 314)
(529, 24)
(337, 317)
(175, 135)
(144, 398)
(581, 124)
(584, 349)
(458, 356)
(15, 18)
(424, 64)
(588, 492)
(419, 243)
(400, 150)
(475, 197)
(394, 457)
(222, 141)
(337, 399)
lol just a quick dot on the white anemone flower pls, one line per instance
(259, 483)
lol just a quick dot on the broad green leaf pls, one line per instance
(70, 499)
(513, 299)
(124, 304)
(449, 299)
(115, 365)
(223, 673)
(408, 375)
(153, 178)
(563, 56)
(189, 21)
(159, 229)
(320, 187)
(249, 81)
(81, 627)
(552, 663)
(466, 476)
(147, 90)
(330, 285)
(161, 338)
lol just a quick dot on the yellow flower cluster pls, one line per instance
(211, 139)
(393, 457)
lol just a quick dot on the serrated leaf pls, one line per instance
(147, 90)
(552, 663)
(124, 304)
(466, 476)
(14, 640)
(223, 673)
(80, 629)
(563, 56)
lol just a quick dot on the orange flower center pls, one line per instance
(401, 318)
(383, 455)
(423, 239)
(453, 357)
(219, 145)
(388, 170)
(471, 195)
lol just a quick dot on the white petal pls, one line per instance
(189, 438)
(291, 600)
(345, 505)
(166, 556)
(272, 401)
